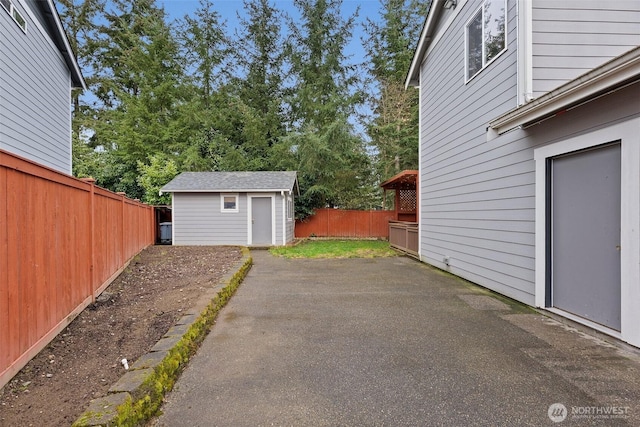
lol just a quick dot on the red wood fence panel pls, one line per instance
(61, 242)
(345, 223)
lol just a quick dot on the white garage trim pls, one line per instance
(629, 137)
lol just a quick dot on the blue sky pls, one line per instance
(229, 9)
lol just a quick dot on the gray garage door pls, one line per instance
(585, 234)
(261, 220)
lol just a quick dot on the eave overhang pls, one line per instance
(404, 180)
(62, 42)
(609, 77)
(413, 77)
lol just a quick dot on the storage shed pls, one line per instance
(233, 208)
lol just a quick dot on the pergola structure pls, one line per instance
(404, 231)
(405, 185)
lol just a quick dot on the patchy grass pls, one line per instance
(337, 249)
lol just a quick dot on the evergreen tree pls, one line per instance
(79, 19)
(139, 85)
(390, 47)
(260, 54)
(324, 82)
(205, 48)
(331, 159)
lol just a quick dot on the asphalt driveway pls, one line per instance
(390, 341)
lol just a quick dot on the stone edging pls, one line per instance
(138, 395)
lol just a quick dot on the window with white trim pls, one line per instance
(229, 203)
(485, 36)
(8, 6)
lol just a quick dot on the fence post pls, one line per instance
(123, 250)
(92, 226)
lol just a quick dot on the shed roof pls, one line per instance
(232, 182)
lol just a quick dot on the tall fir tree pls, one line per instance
(79, 18)
(331, 158)
(394, 127)
(206, 48)
(324, 80)
(260, 55)
(138, 82)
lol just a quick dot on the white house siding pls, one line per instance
(197, 220)
(571, 37)
(35, 111)
(477, 196)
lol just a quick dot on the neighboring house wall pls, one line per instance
(572, 37)
(35, 84)
(477, 203)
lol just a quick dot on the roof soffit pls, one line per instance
(429, 37)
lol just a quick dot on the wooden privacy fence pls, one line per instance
(404, 237)
(345, 223)
(62, 241)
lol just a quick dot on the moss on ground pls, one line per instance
(147, 400)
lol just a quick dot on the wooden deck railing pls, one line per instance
(62, 241)
(404, 237)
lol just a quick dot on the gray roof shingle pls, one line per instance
(232, 182)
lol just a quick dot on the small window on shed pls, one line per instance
(7, 5)
(229, 202)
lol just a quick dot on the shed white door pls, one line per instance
(585, 234)
(261, 221)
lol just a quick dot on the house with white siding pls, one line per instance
(530, 153)
(37, 72)
(233, 208)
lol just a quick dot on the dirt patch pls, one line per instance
(133, 313)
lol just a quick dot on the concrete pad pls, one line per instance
(177, 330)
(149, 360)
(131, 381)
(166, 343)
(390, 342)
(483, 302)
(103, 410)
(188, 319)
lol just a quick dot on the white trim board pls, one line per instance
(627, 133)
(250, 197)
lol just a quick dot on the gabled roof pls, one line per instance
(239, 182)
(60, 39)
